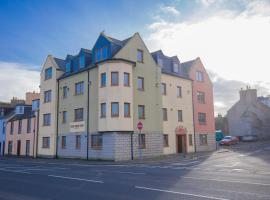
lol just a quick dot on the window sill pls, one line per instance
(142, 90)
(115, 116)
(78, 120)
(78, 94)
(114, 85)
(127, 116)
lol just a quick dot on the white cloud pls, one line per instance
(16, 80)
(235, 46)
(170, 10)
(261, 7)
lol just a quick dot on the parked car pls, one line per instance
(229, 140)
(249, 138)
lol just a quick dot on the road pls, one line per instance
(239, 172)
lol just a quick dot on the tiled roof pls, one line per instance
(167, 64)
(187, 65)
(61, 63)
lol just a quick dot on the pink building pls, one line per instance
(203, 103)
(21, 132)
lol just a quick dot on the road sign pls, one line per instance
(140, 125)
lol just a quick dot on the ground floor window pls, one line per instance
(190, 139)
(27, 148)
(96, 141)
(10, 144)
(165, 140)
(203, 139)
(142, 141)
(64, 142)
(78, 141)
(46, 142)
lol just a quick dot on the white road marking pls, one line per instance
(78, 179)
(120, 172)
(12, 171)
(183, 164)
(182, 193)
(225, 180)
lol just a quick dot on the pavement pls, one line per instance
(239, 172)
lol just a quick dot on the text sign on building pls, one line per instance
(77, 126)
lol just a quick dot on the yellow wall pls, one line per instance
(120, 93)
(150, 97)
(173, 104)
(50, 107)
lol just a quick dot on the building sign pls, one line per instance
(180, 130)
(77, 126)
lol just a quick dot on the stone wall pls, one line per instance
(211, 142)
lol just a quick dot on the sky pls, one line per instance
(231, 37)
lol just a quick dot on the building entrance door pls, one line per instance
(19, 148)
(181, 145)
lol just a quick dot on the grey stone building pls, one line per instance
(249, 116)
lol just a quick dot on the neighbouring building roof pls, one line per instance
(27, 114)
(187, 65)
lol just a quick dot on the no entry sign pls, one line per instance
(140, 125)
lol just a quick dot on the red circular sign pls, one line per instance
(140, 125)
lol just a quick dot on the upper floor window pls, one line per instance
(64, 117)
(141, 112)
(202, 118)
(103, 110)
(78, 114)
(126, 109)
(65, 92)
(68, 66)
(48, 73)
(201, 97)
(101, 54)
(175, 67)
(126, 79)
(11, 127)
(179, 91)
(140, 83)
(114, 78)
(47, 96)
(82, 60)
(163, 88)
(199, 76)
(164, 113)
(190, 140)
(47, 119)
(20, 127)
(139, 55)
(180, 115)
(28, 125)
(79, 88)
(115, 109)
(103, 80)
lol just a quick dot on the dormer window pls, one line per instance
(101, 54)
(48, 73)
(175, 67)
(68, 67)
(19, 110)
(82, 60)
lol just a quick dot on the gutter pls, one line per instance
(87, 126)
(57, 111)
(195, 148)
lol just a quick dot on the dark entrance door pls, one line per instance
(4, 148)
(19, 148)
(27, 148)
(180, 144)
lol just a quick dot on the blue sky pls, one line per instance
(230, 36)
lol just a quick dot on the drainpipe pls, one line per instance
(57, 111)
(34, 131)
(87, 123)
(37, 130)
(195, 148)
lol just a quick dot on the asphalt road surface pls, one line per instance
(241, 172)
